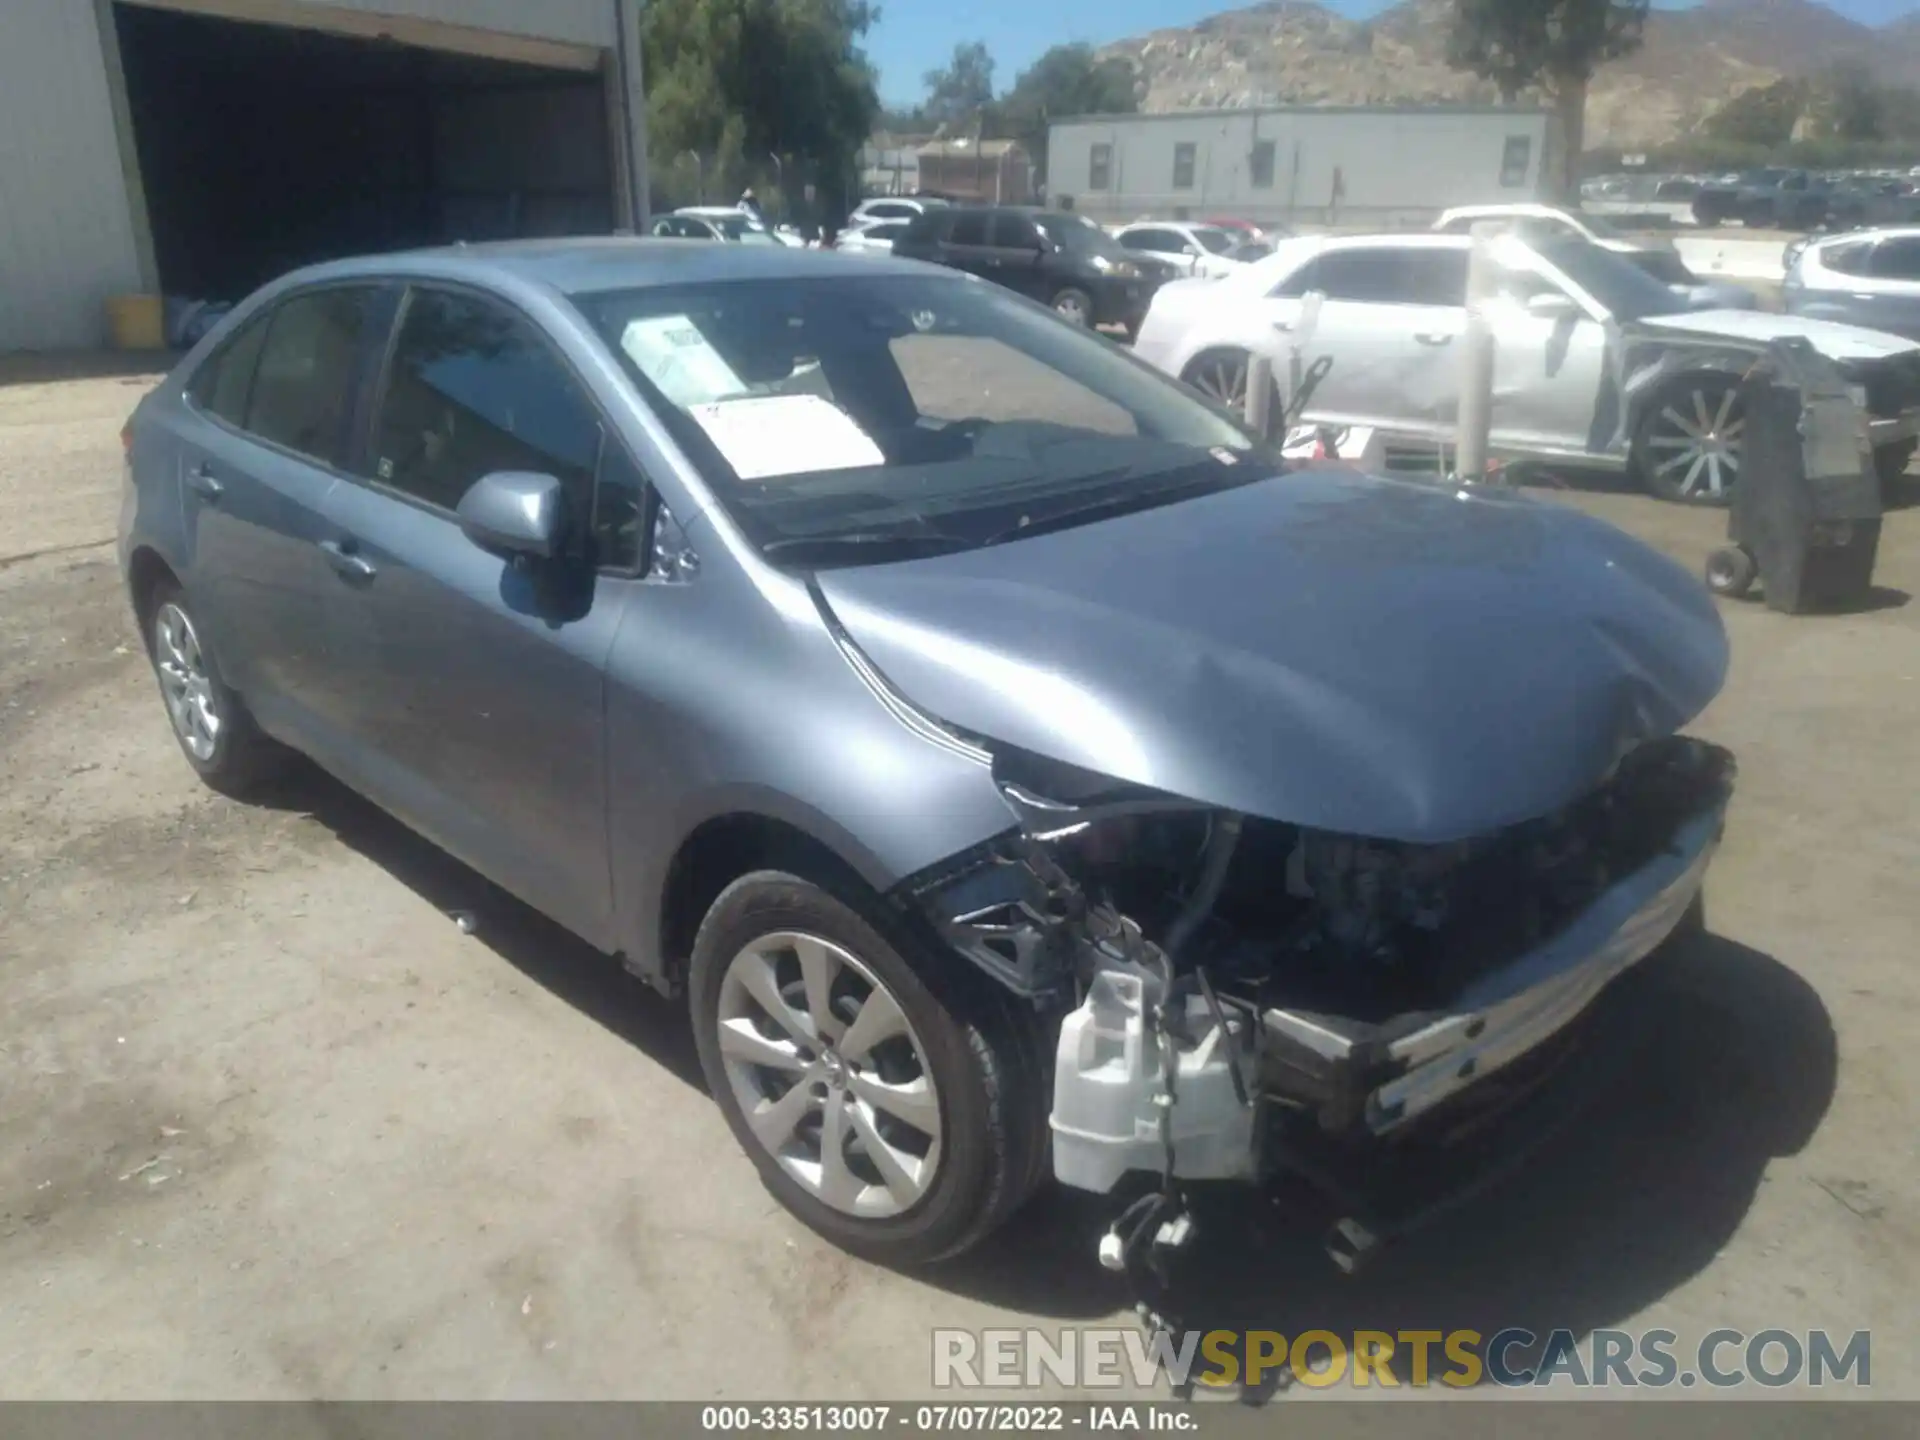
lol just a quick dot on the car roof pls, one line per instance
(1872, 232)
(586, 265)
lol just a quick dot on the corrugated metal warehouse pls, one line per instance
(198, 147)
(1318, 163)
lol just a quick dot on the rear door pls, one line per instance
(1389, 319)
(271, 416)
(478, 683)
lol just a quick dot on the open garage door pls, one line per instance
(266, 146)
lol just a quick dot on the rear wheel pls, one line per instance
(1689, 446)
(215, 732)
(897, 1110)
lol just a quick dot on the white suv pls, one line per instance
(1869, 277)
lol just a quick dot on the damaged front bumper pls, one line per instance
(1207, 1047)
(1344, 1078)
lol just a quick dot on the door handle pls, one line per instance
(203, 482)
(345, 562)
(1434, 338)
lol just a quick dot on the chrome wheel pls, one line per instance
(1693, 445)
(1223, 377)
(184, 682)
(1072, 307)
(829, 1074)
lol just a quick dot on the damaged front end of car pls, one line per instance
(1244, 999)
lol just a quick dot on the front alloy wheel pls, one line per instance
(890, 1097)
(829, 1074)
(1690, 444)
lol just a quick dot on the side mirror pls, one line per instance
(515, 512)
(1552, 305)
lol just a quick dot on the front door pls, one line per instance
(480, 697)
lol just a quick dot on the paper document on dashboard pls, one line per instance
(763, 436)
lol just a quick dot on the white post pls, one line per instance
(1476, 363)
(1259, 393)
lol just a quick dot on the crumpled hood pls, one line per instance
(1379, 657)
(1830, 337)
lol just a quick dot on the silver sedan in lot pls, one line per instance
(1599, 364)
(916, 684)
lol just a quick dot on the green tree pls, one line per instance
(1764, 115)
(1554, 45)
(736, 88)
(1856, 106)
(963, 88)
(1066, 80)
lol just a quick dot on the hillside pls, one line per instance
(1294, 51)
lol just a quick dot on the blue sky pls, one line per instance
(914, 36)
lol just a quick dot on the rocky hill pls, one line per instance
(1298, 52)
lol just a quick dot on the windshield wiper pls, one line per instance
(910, 542)
(1121, 502)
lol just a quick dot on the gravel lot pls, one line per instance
(271, 1125)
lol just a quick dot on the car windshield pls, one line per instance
(849, 419)
(1218, 242)
(1622, 287)
(1078, 235)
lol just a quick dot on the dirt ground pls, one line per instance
(272, 1125)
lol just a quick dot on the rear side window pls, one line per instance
(472, 388)
(303, 385)
(969, 228)
(221, 385)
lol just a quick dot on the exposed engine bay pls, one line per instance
(1244, 998)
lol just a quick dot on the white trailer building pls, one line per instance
(197, 147)
(1319, 164)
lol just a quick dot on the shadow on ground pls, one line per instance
(1724, 1059)
(38, 367)
(590, 981)
(1728, 1061)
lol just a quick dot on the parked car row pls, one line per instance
(1597, 363)
(1804, 200)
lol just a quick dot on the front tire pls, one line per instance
(1688, 448)
(893, 1107)
(212, 725)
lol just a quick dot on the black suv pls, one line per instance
(1062, 260)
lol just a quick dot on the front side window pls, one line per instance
(1898, 259)
(471, 389)
(303, 385)
(969, 229)
(1183, 158)
(1100, 167)
(1855, 258)
(1621, 287)
(1014, 232)
(1212, 240)
(843, 420)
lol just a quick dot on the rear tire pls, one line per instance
(211, 724)
(913, 1180)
